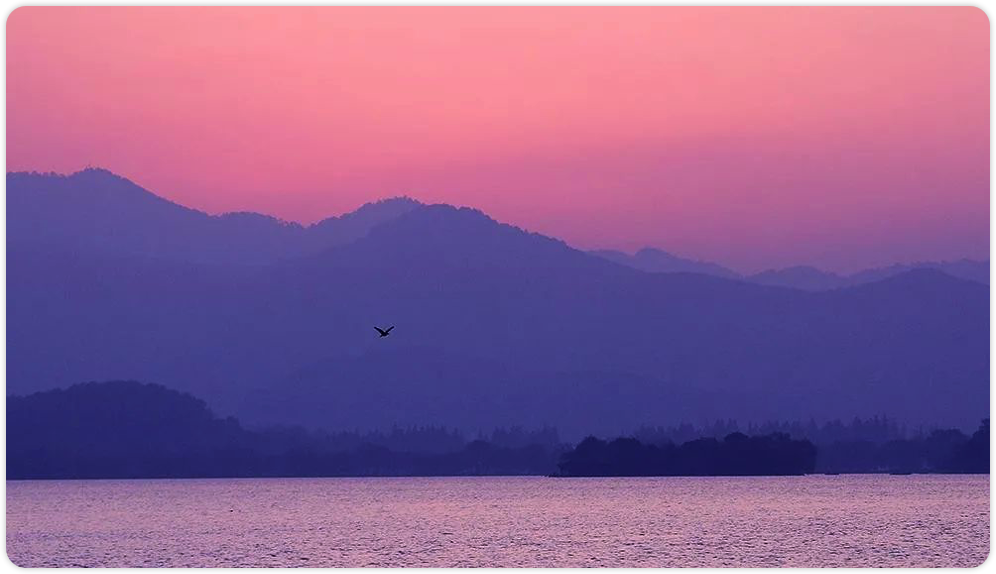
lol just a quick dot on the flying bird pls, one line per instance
(384, 333)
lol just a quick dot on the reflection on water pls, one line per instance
(795, 521)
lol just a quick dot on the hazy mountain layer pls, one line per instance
(494, 326)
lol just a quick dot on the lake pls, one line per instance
(847, 520)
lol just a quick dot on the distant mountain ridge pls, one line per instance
(812, 279)
(803, 277)
(95, 209)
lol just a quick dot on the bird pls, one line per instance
(384, 333)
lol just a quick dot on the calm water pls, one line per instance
(799, 521)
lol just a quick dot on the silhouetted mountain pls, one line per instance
(356, 224)
(495, 326)
(812, 279)
(95, 211)
(121, 429)
(963, 269)
(798, 277)
(657, 261)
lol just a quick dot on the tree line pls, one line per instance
(126, 429)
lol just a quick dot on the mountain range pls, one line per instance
(495, 326)
(797, 277)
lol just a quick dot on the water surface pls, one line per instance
(853, 520)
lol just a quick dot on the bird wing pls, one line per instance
(381, 331)
(389, 329)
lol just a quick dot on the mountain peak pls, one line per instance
(372, 213)
(396, 201)
(440, 219)
(97, 172)
(462, 237)
(87, 193)
(654, 252)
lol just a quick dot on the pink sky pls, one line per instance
(754, 137)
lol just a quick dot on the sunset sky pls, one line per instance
(754, 137)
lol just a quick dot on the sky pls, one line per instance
(754, 137)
